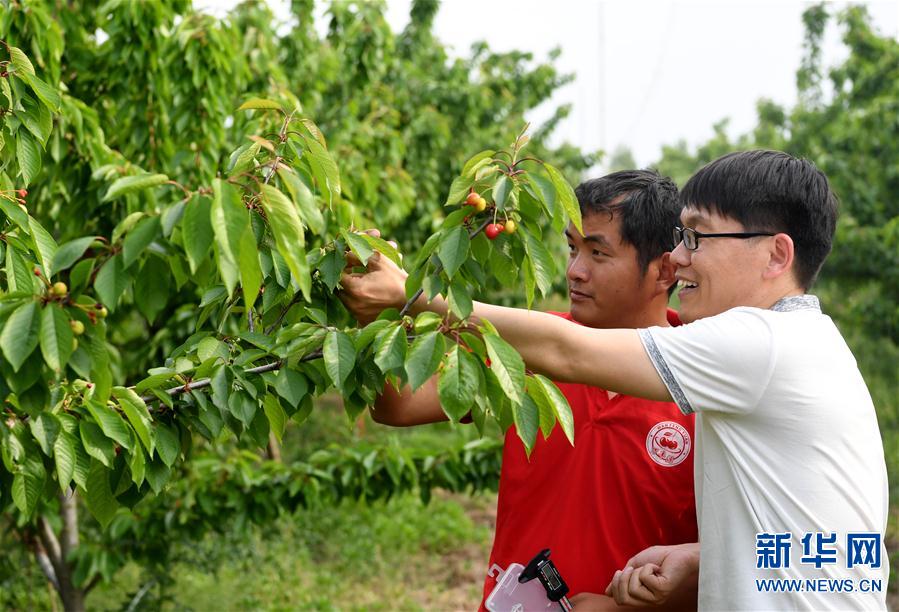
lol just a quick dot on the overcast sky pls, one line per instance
(647, 73)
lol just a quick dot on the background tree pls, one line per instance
(170, 208)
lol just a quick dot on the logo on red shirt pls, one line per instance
(668, 443)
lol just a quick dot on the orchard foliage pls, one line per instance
(174, 227)
(845, 122)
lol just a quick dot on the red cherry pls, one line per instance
(493, 230)
(22, 193)
(472, 199)
(487, 362)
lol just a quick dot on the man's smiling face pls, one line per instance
(605, 284)
(722, 273)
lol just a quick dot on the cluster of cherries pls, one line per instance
(492, 230)
(18, 195)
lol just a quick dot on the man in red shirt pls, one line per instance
(627, 484)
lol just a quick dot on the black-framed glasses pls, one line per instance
(690, 237)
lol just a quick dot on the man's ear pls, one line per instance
(664, 275)
(781, 256)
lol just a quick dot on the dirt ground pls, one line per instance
(459, 577)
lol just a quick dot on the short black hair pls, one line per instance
(646, 202)
(771, 191)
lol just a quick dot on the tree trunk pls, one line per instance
(52, 551)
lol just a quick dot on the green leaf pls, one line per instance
(289, 235)
(358, 245)
(460, 301)
(82, 463)
(453, 250)
(458, 190)
(36, 118)
(501, 190)
(230, 220)
(546, 414)
(47, 94)
(19, 272)
(70, 252)
(242, 407)
(168, 445)
(507, 365)
(56, 337)
(541, 260)
(565, 196)
(20, 334)
(96, 443)
(424, 358)
(111, 281)
(559, 404)
(136, 411)
(44, 428)
(20, 61)
(292, 386)
(64, 458)
(385, 248)
(98, 495)
(139, 239)
(27, 485)
(28, 154)
(196, 231)
(277, 418)
(340, 356)
(250, 269)
(324, 169)
(368, 334)
(138, 465)
(475, 162)
(112, 424)
(288, 232)
(44, 244)
(331, 266)
(152, 287)
(259, 104)
(390, 348)
(458, 382)
(130, 184)
(526, 415)
(16, 214)
(304, 200)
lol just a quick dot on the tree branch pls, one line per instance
(43, 561)
(296, 298)
(51, 545)
(68, 505)
(94, 582)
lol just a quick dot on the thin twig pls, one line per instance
(296, 298)
(205, 382)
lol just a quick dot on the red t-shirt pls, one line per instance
(627, 484)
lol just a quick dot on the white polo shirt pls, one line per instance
(791, 484)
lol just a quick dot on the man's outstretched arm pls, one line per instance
(404, 408)
(612, 359)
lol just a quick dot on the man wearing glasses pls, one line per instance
(791, 486)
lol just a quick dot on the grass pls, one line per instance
(398, 555)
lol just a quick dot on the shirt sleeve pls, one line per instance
(722, 363)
